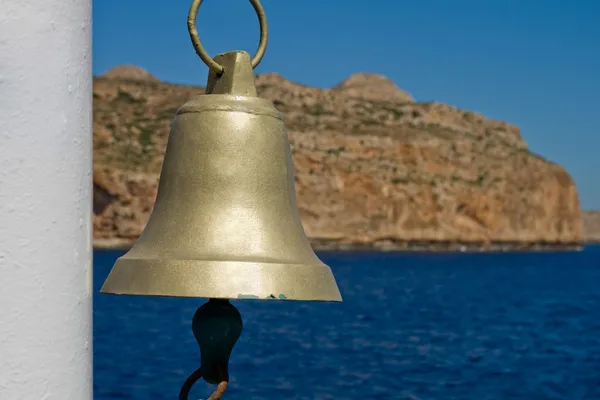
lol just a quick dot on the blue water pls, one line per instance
(412, 326)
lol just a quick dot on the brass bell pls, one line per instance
(225, 222)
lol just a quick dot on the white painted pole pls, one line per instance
(45, 200)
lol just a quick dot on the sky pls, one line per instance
(533, 63)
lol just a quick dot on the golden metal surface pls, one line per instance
(212, 64)
(225, 223)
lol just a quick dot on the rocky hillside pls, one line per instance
(373, 167)
(591, 226)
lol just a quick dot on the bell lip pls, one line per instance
(232, 280)
(248, 298)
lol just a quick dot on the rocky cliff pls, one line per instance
(373, 167)
(591, 226)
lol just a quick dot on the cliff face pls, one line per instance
(591, 226)
(372, 166)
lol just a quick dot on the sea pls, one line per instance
(411, 326)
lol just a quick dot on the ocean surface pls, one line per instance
(412, 326)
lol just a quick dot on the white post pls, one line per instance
(45, 200)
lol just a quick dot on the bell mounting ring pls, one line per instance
(208, 60)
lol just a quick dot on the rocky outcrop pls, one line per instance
(129, 72)
(373, 168)
(372, 87)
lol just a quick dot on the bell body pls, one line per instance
(225, 222)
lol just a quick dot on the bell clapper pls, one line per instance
(217, 326)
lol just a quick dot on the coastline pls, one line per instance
(372, 169)
(404, 246)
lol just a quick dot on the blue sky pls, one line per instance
(532, 63)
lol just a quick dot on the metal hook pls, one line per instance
(193, 378)
(208, 60)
